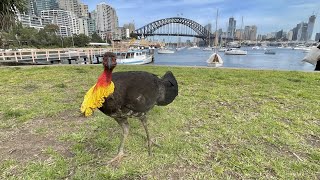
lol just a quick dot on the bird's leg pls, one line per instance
(143, 120)
(123, 122)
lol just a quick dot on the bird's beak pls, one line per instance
(109, 63)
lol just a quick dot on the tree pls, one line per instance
(8, 10)
(80, 40)
(96, 38)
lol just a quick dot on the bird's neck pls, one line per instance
(105, 78)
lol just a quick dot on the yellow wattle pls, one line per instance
(94, 98)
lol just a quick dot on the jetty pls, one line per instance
(54, 56)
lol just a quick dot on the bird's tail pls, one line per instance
(170, 89)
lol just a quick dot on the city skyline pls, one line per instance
(268, 16)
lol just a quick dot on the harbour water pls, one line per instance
(284, 59)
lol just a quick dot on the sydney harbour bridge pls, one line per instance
(175, 26)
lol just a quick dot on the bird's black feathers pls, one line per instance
(136, 92)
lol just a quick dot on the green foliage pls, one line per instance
(96, 38)
(8, 9)
(20, 36)
(81, 40)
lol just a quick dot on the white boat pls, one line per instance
(255, 47)
(193, 47)
(134, 57)
(215, 60)
(235, 51)
(207, 48)
(222, 49)
(165, 51)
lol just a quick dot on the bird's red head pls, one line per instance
(109, 61)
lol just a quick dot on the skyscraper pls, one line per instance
(303, 32)
(232, 27)
(253, 33)
(41, 5)
(317, 37)
(106, 20)
(70, 5)
(311, 22)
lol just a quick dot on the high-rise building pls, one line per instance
(290, 35)
(253, 33)
(42, 5)
(317, 37)
(208, 27)
(312, 20)
(70, 5)
(34, 21)
(232, 27)
(106, 21)
(83, 10)
(91, 23)
(303, 32)
(31, 7)
(66, 20)
(246, 33)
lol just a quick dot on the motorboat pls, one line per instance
(165, 51)
(235, 51)
(215, 60)
(268, 51)
(207, 48)
(134, 57)
(222, 49)
(255, 47)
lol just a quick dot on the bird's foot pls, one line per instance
(117, 159)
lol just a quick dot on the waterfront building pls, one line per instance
(70, 5)
(83, 26)
(253, 33)
(303, 32)
(232, 27)
(83, 10)
(91, 23)
(312, 20)
(66, 20)
(246, 33)
(238, 34)
(130, 27)
(34, 21)
(31, 7)
(42, 5)
(290, 35)
(106, 21)
(317, 37)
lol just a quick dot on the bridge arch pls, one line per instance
(149, 29)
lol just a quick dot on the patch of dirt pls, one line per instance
(26, 143)
(313, 140)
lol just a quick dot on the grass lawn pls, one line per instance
(224, 124)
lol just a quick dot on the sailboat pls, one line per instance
(236, 51)
(209, 48)
(215, 59)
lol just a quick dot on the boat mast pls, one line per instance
(241, 30)
(216, 33)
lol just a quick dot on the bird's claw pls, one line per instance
(117, 159)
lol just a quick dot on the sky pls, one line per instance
(267, 15)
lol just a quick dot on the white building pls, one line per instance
(34, 21)
(106, 21)
(70, 5)
(66, 20)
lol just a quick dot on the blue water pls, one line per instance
(284, 59)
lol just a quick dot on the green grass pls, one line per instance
(225, 124)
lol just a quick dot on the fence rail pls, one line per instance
(51, 55)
